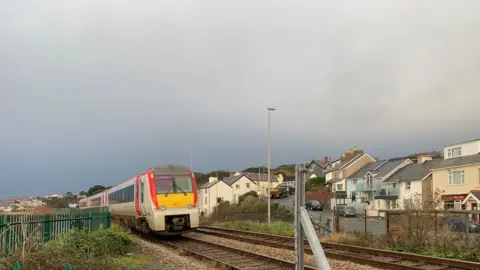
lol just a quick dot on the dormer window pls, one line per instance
(454, 152)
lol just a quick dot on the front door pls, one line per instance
(143, 195)
(475, 216)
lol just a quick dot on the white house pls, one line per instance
(212, 193)
(231, 188)
(407, 183)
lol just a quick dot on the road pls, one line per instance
(347, 224)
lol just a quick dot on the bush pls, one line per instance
(250, 193)
(79, 248)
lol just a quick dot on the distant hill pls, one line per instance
(286, 170)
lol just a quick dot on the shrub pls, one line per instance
(81, 249)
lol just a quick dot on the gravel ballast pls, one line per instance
(278, 253)
(172, 257)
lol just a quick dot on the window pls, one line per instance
(454, 152)
(206, 191)
(123, 195)
(248, 185)
(219, 200)
(354, 182)
(206, 202)
(339, 187)
(394, 185)
(237, 186)
(175, 183)
(408, 185)
(456, 178)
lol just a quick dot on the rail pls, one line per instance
(373, 257)
(226, 256)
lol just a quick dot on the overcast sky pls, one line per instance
(93, 92)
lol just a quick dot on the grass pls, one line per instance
(277, 228)
(101, 249)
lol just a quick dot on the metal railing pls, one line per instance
(17, 229)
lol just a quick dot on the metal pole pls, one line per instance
(299, 242)
(268, 175)
(190, 158)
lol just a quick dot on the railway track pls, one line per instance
(368, 256)
(230, 257)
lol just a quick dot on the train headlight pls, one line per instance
(163, 208)
(189, 206)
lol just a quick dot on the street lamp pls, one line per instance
(191, 147)
(268, 174)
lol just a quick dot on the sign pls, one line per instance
(454, 197)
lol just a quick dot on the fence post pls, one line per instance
(467, 229)
(47, 228)
(387, 223)
(365, 227)
(89, 220)
(108, 221)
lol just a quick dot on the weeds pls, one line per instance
(82, 249)
(276, 228)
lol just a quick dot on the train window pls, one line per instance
(141, 192)
(183, 183)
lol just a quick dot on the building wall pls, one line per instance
(469, 148)
(242, 186)
(471, 180)
(357, 165)
(209, 196)
(328, 176)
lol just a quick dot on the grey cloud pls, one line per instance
(105, 85)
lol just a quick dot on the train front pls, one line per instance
(176, 195)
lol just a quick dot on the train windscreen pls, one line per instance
(173, 183)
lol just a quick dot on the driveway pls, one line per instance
(347, 224)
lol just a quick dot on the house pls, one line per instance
(411, 182)
(458, 175)
(231, 188)
(318, 167)
(366, 183)
(212, 193)
(337, 173)
(260, 181)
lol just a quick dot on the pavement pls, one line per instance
(347, 224)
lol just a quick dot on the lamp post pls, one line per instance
(191, 147)
(268, 174)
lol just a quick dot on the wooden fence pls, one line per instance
(19, 230)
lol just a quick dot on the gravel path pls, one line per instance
(172, 257)
(279, 253)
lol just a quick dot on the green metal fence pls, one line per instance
(16, 230)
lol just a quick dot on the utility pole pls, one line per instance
(268, 175)
(193, 146)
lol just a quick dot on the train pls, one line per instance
(162, 200)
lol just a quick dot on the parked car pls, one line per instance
(458, 224)
(313, 205)
(346, 211)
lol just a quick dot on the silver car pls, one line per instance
(346, 211)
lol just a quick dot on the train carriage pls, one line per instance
(162, 200)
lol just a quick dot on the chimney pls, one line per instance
(325, 160)
(422, 157)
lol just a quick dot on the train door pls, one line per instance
(143, 199)
(137, 196)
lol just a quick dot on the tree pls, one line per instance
(82, 193)
(69, 194)
(314, 183)
(95, 189)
